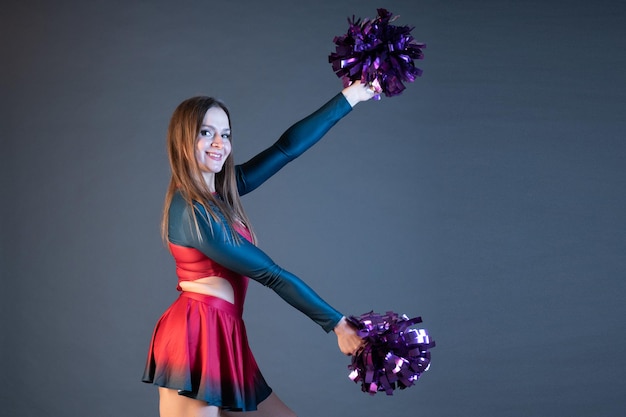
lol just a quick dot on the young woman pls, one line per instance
(199, 355)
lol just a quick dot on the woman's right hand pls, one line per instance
(358, 92)
(347, 339)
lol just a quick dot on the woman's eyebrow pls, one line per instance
(226, 129)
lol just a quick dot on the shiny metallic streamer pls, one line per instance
(395, 355)
(377, 53)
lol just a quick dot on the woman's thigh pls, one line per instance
(272, 406)
(173, 405)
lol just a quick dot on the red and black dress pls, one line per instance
(199, 346)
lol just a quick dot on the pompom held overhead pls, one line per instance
(394, 356)
(377, 53)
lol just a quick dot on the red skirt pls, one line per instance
(200, 348)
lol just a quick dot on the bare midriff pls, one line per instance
(214, 286)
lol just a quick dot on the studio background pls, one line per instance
(488, 198)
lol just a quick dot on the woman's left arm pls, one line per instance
(298, 138)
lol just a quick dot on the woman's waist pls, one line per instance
(229, 288)
(215, 286)
(214, 302)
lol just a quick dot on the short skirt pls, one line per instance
(200, 348)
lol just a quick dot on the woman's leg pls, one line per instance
(173, 405)
(272, 406)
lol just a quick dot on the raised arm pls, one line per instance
(298, 138)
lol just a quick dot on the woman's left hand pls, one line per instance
(347, 338)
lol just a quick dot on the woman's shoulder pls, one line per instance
(178, 201)
(182, 205)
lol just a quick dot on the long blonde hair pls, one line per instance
(186, 176)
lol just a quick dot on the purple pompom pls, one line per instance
(394, 355)
(377, 53)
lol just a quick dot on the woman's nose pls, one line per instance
(217, 141)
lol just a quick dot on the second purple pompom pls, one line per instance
(395, 355)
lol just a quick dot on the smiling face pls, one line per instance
(213, 144)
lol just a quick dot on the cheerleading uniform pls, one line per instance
(199, 345)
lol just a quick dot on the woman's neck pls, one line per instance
(209, 179)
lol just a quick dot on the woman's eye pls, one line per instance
(226, 136)
(206, 133)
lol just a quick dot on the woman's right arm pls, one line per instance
(298, 138)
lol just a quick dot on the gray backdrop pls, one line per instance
(488, 198)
